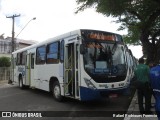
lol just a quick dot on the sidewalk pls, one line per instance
(133, 111)
(3, 81)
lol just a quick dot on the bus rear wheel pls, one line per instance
(56, 91)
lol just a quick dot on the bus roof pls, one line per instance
(53, 39)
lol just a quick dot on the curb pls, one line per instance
(131, 106)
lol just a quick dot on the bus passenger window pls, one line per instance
(19, 58)
(52, 53)
(41, 55)
(23, 57)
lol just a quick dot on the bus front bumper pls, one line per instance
(87, 94)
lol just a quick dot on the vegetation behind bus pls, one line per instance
(5, 62)
(140, 17)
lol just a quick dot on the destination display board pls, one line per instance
(100, 35)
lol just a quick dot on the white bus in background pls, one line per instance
(82, 64)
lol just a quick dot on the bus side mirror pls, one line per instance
(82, 49)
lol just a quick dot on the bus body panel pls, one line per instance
(74, 79)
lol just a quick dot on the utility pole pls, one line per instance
(12, 49)
(12, 43)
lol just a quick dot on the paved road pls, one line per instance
(14, 99)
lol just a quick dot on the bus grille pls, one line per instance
(103, 79)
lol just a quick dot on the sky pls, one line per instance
(53, 18)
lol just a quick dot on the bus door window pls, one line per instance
(70, 69)
(61, 57)
(32, 61)
(62, 51)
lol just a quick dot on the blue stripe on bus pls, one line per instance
(90, 94)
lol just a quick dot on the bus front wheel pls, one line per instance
(57, 91)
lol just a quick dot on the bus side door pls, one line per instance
(71, 69)
(30, 70)
(27, 69)
(32, 63)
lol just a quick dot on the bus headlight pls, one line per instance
(89, 84)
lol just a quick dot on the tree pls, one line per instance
(140, 17)
(5, 62)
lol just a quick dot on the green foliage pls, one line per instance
(5, 62)
(140, 17)
(133, 36)
(136, 16)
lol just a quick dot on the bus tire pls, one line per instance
(56, 91)
(21, 83)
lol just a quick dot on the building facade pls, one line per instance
(6, 45)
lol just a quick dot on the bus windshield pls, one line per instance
(104, 58)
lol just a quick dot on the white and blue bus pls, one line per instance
(82, 64)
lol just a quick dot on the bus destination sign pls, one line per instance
(99, 35)
(102, 36)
